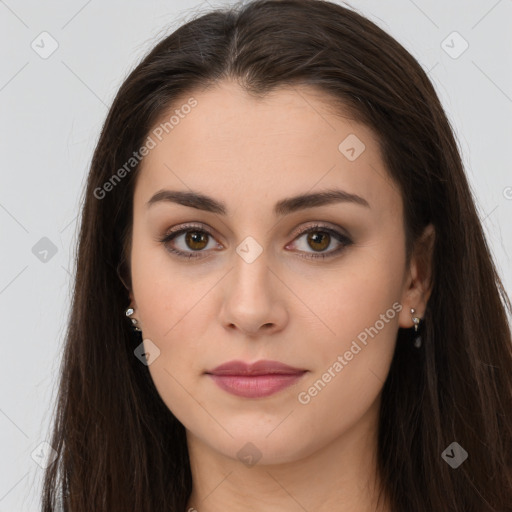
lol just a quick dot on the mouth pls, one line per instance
(257, 380)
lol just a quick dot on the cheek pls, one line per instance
(351, 367)
(163, 292)
(361, 308)
(175, 310)
(353, 295)
(173, 318)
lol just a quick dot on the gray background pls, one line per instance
(52, 110)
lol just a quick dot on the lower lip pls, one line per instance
(255, 386)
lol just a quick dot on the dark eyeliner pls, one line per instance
(344, 240)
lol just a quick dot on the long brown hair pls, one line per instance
(119, 447)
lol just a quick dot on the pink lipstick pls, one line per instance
(260, 379)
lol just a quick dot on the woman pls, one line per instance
(278, 205)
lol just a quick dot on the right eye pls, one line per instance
(194, 237)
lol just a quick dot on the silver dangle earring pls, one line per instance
(416, 320)
(129, 312)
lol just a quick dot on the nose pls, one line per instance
(254, 301)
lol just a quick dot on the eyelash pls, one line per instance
(341, 238)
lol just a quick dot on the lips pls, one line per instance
(262, 367)
(256, 380)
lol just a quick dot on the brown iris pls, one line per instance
(196, 240)
(319, 238)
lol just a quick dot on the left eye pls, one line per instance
(318, 238)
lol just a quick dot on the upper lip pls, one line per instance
(262, 367)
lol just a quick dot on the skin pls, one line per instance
(251, 153)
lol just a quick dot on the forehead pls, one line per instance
(246, 151)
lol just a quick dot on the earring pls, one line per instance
(416, 320)
(129, 312)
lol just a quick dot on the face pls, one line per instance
(318, 285)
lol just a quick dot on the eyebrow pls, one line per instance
(283, 207)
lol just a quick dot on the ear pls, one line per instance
(121, 273)
(418, 285)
